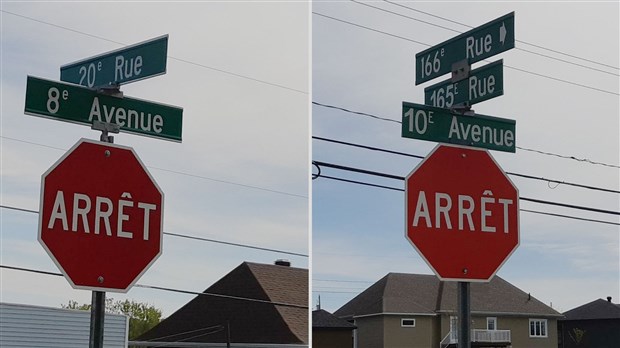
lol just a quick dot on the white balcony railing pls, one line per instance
(478, 336)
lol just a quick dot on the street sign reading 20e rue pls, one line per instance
(130, 63)
(475, 45)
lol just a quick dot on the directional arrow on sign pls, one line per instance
(472, 46)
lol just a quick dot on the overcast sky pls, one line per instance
(358, 233)
(240, 71)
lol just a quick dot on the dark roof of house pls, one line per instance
(322, 319)
(597, 309)
(425, 294)
(200, 319)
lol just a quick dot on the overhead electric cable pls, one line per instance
(509, 173)
(505, 65)
(402, 178)
(178, 172)
(520, 41)
(460, 32)
(190, 237)
(189, 292)
(171, 57)
(518, 147)
(520, 209)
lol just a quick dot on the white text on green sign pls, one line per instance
(483, 83)
(131, 63)
(475, 45)
(72, 103)
(425, 122)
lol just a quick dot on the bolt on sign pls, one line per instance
(101, 216)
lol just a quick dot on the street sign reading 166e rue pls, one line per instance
(131, 63)
(475, 45)
(72, 103)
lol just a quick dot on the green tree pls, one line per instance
(142, 316)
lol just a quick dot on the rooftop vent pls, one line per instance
(608, 298)
(281, 262)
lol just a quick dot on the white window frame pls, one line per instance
(402, 322)
(494, 321)
(543, 326)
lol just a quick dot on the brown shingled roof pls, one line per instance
(250, 322)
(425, 294)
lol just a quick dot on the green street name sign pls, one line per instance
(483, 83)
(425, 122)
(475, 45)
(72, 103)
(128, 64)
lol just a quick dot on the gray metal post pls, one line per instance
(97, 318)
(464, 315)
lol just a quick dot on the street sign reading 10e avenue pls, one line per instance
(462, 213)
(472, 46)
(101, 216)
(128, 64)
(425, 122)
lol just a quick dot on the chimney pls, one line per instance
(609, 299)
(282, 262)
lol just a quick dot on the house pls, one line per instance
(46, 327)
(413, 310)
(329, 331)
(594, 324)
(253, 304)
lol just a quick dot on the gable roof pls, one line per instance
(425, 294)
(597, 309)
(322, 319)
(200, 319)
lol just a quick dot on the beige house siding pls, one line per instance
(420, 336)
(520, 334)
(369, 332)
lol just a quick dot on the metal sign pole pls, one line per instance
(97, 317)
(97, 312)
(464, 315)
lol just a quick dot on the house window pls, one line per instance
(406, 322)
(538, 327)
(491, 323)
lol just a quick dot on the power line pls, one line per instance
(188, 292)
(190, 237)
(520, 41)
(428, 45)
(509, 173)
(402, 178)
(178, 172)
(460, 32)
(186, 61)
(518, 147)
(520, 209)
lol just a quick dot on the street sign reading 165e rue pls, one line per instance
(72, 103)
(484, 83)
(475, 45)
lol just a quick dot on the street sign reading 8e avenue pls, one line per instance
(462, 213)
(101, 216)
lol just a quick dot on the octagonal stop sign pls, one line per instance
(101, 216)
(462, 213)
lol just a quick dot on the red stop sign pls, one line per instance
(101, 216)
(462, 213)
